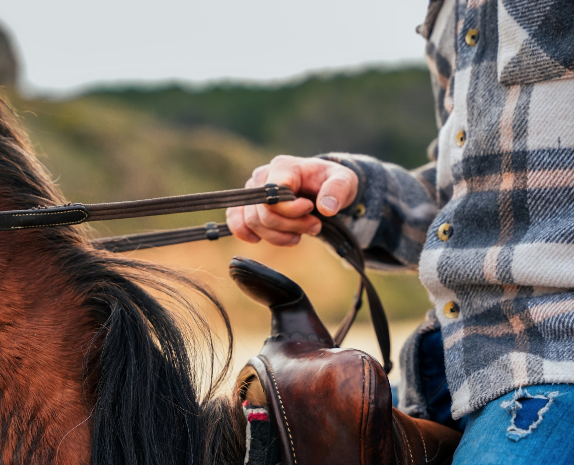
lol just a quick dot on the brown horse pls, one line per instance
(93, 369)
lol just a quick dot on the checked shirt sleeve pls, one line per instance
(393, 208)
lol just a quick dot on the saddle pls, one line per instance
(328, 405)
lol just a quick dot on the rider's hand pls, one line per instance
(333, 185)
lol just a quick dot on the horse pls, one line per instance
(95, 366)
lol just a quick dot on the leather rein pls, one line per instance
(333, 232)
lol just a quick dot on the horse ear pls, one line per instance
(291, 311)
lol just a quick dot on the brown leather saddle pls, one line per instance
(329, 405)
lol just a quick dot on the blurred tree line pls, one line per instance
(386, 114)
(129, 143)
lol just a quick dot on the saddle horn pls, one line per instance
(292, 314)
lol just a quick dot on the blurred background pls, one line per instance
(126, 100)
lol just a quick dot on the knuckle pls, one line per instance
(259, 173)
(299, 229)
(252, 223)
(349, 175)
(281, 159)
(251, 220)
(341, 183)
(256, 171)
(268, 219)
(233, 216)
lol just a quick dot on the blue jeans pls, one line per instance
(529, 426)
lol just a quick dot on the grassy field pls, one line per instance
(120, 144)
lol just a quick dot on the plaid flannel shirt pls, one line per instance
(502, 281)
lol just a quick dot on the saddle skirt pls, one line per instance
(329, 405)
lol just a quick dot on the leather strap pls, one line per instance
(211, 231)
(42, 217)
(343, 241)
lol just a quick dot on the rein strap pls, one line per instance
(127, 243)
(60, 215)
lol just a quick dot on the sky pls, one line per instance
(66, 46)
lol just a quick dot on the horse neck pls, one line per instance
(44, 335)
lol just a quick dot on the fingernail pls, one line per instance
(330, 203)
(253, 238)
(315, 229)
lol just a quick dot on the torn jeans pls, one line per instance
(529, 426)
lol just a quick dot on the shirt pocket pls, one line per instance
(425, 29)
(536, 41)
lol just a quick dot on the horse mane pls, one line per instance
(152, 400)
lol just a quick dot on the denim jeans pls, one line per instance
(529, 426)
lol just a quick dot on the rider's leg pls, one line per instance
(433, 381)
(530, 426)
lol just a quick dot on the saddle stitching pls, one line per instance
(399, 426)
(282, 406)
(50, 213)
(362, 408)
(438, 451)
(424, 445)
(371, 381)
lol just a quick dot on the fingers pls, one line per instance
(334, 187)
(275, 236)
(255, 222)
(267, 219)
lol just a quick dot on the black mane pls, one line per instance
(149, 404)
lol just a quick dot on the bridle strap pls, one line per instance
(60, 215)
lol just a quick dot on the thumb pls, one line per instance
(337, 192)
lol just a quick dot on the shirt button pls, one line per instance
(359, 210)
(451, 310)
(461, 138)
(471, 37)
(444, 232)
